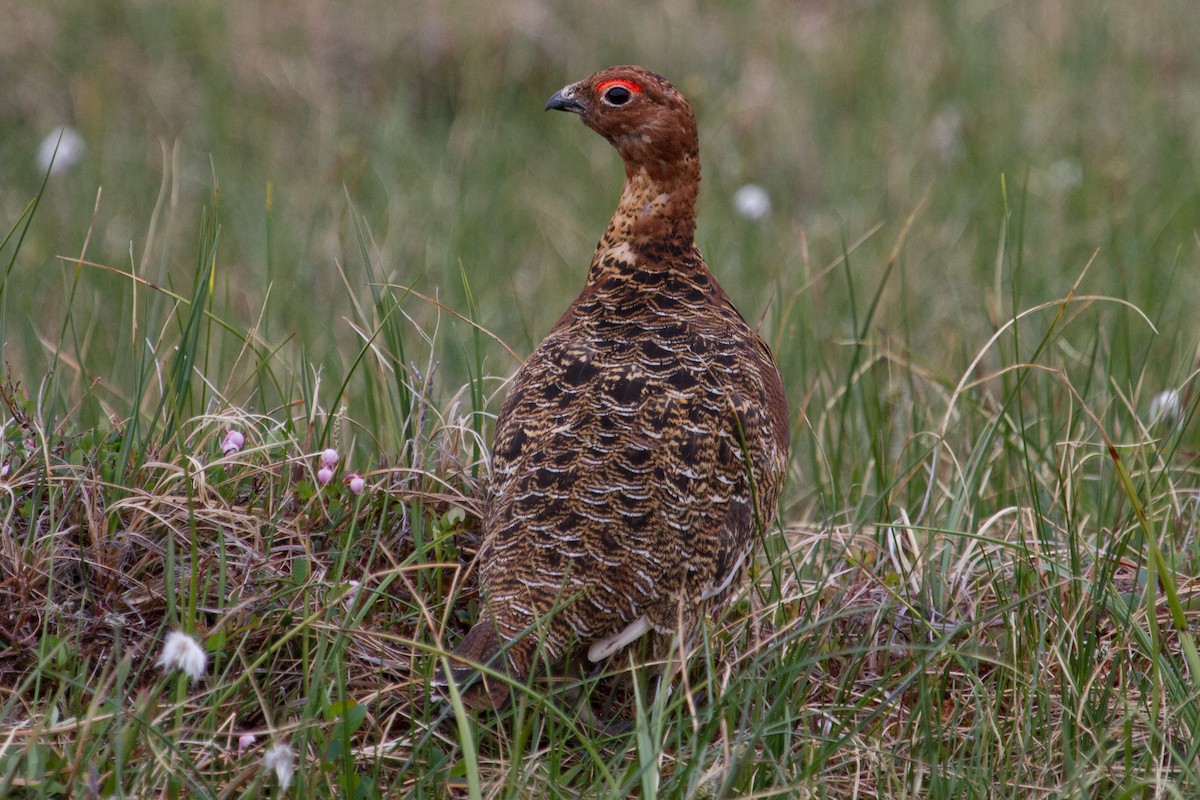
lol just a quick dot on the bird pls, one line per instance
(643, 442)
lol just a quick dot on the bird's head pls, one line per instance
(639, 113)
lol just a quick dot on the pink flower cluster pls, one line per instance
(329, 461)
(234, 441)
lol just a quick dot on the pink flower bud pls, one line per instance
(329, 458)
(356, 483)
(324, 475)
(245, 742)
(233, 442)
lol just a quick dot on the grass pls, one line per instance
(342, 229)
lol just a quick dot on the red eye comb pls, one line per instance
(604, 86)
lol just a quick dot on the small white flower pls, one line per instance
(3, 471)
(352, 588)
(1065, 173)
(182, 652)
(752, 201)
(282, 761)
(245, 742)
(329, 458)
(1166, 407)
(356, 483)
(946, 134)
(69, 146)
(232, 442)
(324, 475)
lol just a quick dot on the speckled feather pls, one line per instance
(646, 437)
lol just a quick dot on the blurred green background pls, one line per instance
(425, 117)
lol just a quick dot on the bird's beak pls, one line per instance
(564, 100)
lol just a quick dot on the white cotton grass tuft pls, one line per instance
(280, 759)
(61, 150)
(245, 742)
(182, 652)
(1166, 408)
(752, 201)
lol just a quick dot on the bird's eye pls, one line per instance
(617, 96)
(618, 91)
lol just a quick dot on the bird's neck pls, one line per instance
(654, 224)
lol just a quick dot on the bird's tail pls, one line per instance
(483, 645)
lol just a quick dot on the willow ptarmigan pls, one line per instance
(644, 439)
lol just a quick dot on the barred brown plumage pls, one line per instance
(644, 439)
